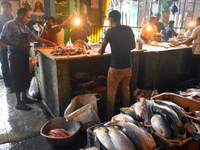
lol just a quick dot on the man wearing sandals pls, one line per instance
(16, 35)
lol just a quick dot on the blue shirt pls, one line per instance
(169, 32)
(120, 39)
(11, 30)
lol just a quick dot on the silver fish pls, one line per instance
(124, 118)
(134, 111)
(182, 116)
(120, 140)
(177, 126)
(161, 126)
(141, 139)
(104, 138)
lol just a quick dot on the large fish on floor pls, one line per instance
(141, 139)
(134, 111)
(104, 138)
(182, 116)
(120, 140)
(161, 126)
(177, 126)
(124, 118)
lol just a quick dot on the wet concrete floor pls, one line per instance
(20, 130)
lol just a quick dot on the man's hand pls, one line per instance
(99, 51)
(22, 46)
(54, 44)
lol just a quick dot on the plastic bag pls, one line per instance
(86, 116)
(34, 88)
(82, 100)
(174, 9)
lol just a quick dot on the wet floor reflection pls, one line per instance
(5, 126)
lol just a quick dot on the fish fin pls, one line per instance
(192, 133)
(187, 108)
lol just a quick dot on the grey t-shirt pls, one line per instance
(120, 39)
(4, 19)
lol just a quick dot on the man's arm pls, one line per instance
(133, 43)
(174, 33)
(187, 42)
(143, 38)
(43, 31)
(41, 40)
(103, 46)
(66, 22)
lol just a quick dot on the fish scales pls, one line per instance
(120, 140)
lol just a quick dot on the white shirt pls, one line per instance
(196, 36)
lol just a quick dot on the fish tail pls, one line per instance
(192, 133)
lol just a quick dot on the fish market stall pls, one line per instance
(54, 73)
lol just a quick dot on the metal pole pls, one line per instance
(177, 15)
(183, 13)
(138, 10)
(145, 4)
(150, 9)
(158, 6)
(193, 9)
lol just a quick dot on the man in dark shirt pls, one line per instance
(6, 15)
(158, 24)
(169, 31)
(122, 41)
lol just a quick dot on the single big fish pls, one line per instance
(104, 138)
(182, 116)
(124, 118)
(178, 128)
(141, 139)
(134, 111)
(161, 126)
(120, 140)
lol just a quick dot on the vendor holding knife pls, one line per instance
(16, 35)
(196, 48)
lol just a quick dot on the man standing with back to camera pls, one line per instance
(122, 41)
(6, 9)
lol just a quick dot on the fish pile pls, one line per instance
(77, 48)
(191, 93)
(58, 133)
(123, 133)
(88, 82)
(164, 117)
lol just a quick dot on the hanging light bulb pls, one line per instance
(148, 28)
(191, 23)
(77, 21)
